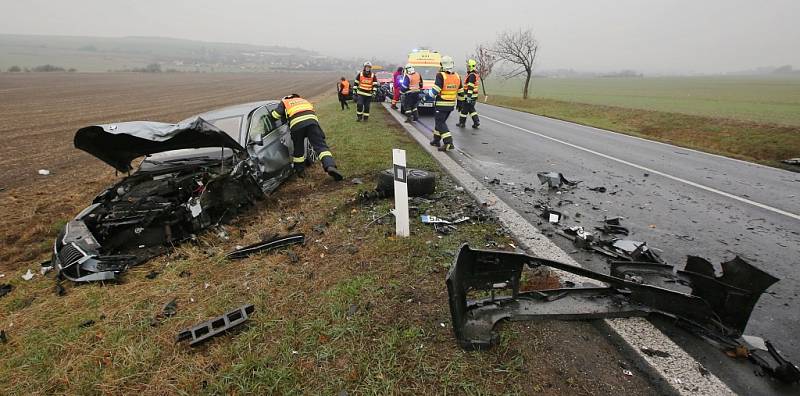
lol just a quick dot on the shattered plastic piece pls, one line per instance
(271, 244)
(791, 161)
(427, 219)
(551, 215)
(357, 181)
(715, 307)
(5, 288)
(44, 172)
(600, 189)
(203, 331)
(555, 179)
(28, 275)
(627, 373)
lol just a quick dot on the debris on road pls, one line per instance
(265, 246)
(202, 332)
(598, 189)
(555, 180)
(717, 308)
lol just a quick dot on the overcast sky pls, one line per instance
(653, 36)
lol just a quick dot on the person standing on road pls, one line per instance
(412, 87)
(445, 88)
(396, 78)
(470, 94)
(367, 84)
(304, 124)
(343, 89)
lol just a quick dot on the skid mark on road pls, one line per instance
(653, 171)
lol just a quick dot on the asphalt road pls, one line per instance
(680, 201)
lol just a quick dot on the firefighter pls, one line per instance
(367, 83)
(343, 89)
(412, 87)
(470, 95)
(445, 88)
(303, 123)
(396, 77)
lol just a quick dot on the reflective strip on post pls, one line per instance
(400, 211)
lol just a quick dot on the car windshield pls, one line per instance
(427, 72)
(231, 126)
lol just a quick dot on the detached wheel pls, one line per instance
(420, 182)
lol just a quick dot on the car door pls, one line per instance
(269, 143)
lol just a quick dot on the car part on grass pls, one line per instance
(792, 161)
(555, 180)
(203, 331)
(194, 176)
(420, 182)
(484, 288)
(3, 337)
(267, 245)
(5, 288)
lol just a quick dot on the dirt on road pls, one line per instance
(40, 112)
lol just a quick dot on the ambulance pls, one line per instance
(426, 63)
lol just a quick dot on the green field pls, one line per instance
(761, 99)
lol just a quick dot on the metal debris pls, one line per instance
(203, 331)
(264, 246)
(555, 180)
(716, 308)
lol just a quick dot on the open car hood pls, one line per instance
(119, 144)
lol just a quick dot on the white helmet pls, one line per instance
(367, 63)
(447, 64)
(410, 68)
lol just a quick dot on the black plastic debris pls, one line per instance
(555, 180)
(628, 250)
(152, 274)
(600, 189)
(611, 226)
(208, 329)
(552, 216)
(3, 337)
(581, 238)
(715, 308)
(265, 246)
(86, 323)
(60, 290)
(792, 161)
(5, 288)
(168, 310)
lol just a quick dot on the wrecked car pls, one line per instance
(195, 174)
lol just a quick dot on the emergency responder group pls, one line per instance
(449, 91)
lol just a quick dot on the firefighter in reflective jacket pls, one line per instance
(303, 123)
(470, 95)
(366, 84)
(411, 86)
(343, 90)
(445, 88)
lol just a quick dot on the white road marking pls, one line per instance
(653, 171)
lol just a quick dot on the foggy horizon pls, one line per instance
(660, 37)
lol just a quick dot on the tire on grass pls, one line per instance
(420, 182)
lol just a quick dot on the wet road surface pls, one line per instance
(680, 201)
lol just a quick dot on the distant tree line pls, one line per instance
(40, 69)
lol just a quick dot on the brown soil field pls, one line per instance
(40, 112)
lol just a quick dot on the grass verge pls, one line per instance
(763, 143)
(360, 311)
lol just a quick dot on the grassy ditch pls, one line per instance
(358, 310)
(758, 142)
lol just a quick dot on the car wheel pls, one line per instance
(420, 182)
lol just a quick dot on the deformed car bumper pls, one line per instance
(76, 256)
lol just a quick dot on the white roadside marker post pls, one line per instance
(402, 228)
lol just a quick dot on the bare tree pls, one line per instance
(486, 60)
(519, 48)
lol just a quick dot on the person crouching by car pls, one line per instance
(343, 89)
(303, 123)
